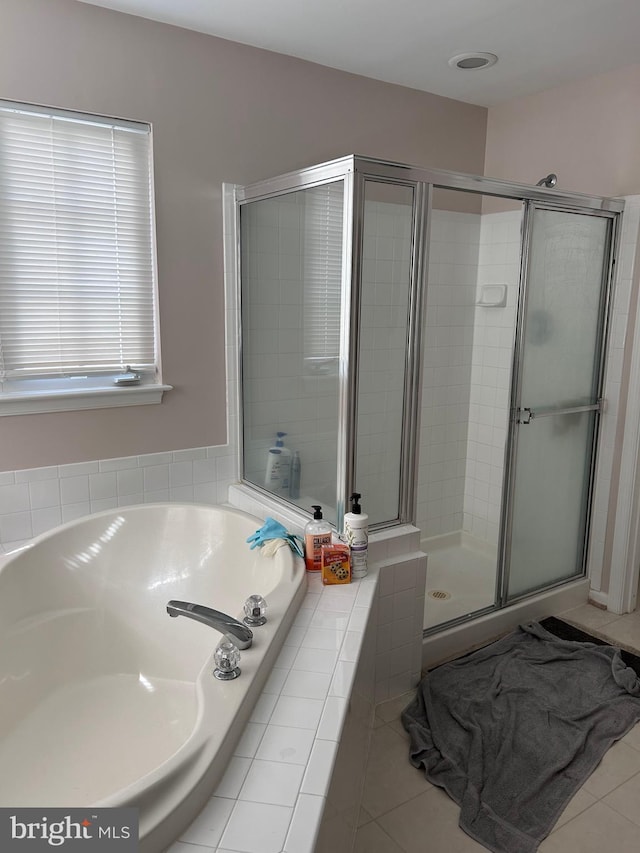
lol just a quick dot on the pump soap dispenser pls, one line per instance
(316, 534)
(356, 528)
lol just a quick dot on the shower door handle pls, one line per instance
(526, 415)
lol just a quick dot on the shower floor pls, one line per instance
(461, 572)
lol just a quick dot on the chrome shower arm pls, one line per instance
(549, 181)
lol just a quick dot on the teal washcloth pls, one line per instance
(272, 529)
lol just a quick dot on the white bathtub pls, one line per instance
(104, 699)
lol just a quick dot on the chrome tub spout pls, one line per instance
(242, 636)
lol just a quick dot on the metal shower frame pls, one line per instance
(354, 170)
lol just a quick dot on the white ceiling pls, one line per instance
(540, 43)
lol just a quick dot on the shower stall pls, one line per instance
(435, 341)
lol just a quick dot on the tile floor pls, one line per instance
(403, 813)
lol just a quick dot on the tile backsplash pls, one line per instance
(35, 500)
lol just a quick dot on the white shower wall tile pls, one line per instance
(468, 353)
(491, 375)
(16, 527)
(118, 464)
(44, 493)
(14, 498)
(77, 469)
(383, 341)
(32, 475)
(45, 519)
(103, 503)
(447, 364)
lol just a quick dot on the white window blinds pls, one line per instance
(77, 292)
(322, 269)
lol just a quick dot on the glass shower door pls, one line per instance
(291, 309)
(556, 403)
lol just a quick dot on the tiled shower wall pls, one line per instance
(386, 273)
(448, 351)
(281, 394)
(493, 337)
(467, 369)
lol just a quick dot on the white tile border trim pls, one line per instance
(604, 498)
(625, 550)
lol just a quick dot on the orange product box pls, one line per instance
(336, 565)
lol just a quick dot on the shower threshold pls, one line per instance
(479, 629)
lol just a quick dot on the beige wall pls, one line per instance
(587, 132)
(220, 112)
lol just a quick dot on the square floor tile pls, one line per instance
(625, 800)
(391, 710)
(597, 829)
(581, 801)
(620, 763)
(588, 616)
(625, 631)
(428, 822)
(633, 737)
(373, 839)
(390, 778)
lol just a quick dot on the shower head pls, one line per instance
(550, 181)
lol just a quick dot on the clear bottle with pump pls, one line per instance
(356, 529)
(285, 463)
(294, 483)
(316, 534)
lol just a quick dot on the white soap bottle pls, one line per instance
(356, 529)
(278, 466)
(273, 476)
(285, 463)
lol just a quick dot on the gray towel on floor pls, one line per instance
(513, 730)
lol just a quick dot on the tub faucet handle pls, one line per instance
(254, 610)
(226, 658)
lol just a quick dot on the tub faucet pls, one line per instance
(242, 636)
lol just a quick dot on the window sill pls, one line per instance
(30, 403)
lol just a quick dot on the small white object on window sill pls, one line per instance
(493, 296)
(129, 377)
(68, 400)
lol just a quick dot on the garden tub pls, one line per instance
(106, 701)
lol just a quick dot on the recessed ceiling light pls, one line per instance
(473, 61)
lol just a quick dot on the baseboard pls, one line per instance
(599, 599)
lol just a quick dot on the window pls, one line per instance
(322, 271)
(77, 281)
